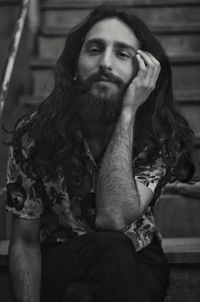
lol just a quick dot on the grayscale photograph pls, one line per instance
(100, 150)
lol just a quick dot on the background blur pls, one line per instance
(176, 24)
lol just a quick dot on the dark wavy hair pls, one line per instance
(159, 127)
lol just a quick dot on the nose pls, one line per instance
(106, 60)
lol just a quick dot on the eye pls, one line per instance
(123, 54)
(93, 49)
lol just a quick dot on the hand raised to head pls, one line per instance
(143, 83)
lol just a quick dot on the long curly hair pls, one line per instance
(159, 128)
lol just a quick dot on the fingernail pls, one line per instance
(139, 50)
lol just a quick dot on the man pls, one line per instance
(87, 166)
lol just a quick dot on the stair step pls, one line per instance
(9, 3)
(178, 250)
(185, 96)
(67, 15)
(187, 189)
(182, 250)
(55, 4)
(8, 10)
(175, 40)
(191, 112)
(178, 215)
(163, 28)
(4, 244)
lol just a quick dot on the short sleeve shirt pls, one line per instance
(65, 202)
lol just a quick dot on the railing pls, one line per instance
(15, 42)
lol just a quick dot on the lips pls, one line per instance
(104, 79)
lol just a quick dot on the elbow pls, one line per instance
(110, 223)
(116, 222)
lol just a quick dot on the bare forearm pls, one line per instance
(117, 197)
(25, 272)
(117, 200)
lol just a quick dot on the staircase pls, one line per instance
(177, 26)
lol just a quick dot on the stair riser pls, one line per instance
(180, 44)
(196, 159)
(51, 47)
(184, 283)
(55, 4)
(178, 216)
(8, 17)
(66, 18)
(192, 114)
(184, 77)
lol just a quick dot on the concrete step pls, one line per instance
(182, 254)
(127, 3)
(64, 14)
(176, 40)
(178, 215)
(9, 9)
(191, 111)
(10, 3)
(186, 73)
(191, 189)
(182, 250)
(4, 244)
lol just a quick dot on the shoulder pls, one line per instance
(23, 137)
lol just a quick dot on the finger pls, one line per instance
(150, 68)
(153, 69)
(141, 67)
(157, 66)
(146, 56)
(155, 62)
(152, 57)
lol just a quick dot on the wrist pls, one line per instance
(128, 116)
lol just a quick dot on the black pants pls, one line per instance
(103, 267)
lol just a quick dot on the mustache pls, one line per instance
(103, 76)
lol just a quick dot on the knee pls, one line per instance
(113, 242)
(78, 292)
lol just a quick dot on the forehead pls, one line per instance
(112, 29)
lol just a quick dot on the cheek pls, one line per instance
(127, 75)
(130, 71)
(85, 67)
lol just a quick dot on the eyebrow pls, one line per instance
(121, 45)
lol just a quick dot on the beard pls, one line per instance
(98, 103)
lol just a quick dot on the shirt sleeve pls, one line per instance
(23, 199)
(150, 174)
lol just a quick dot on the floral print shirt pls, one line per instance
(66, 201)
